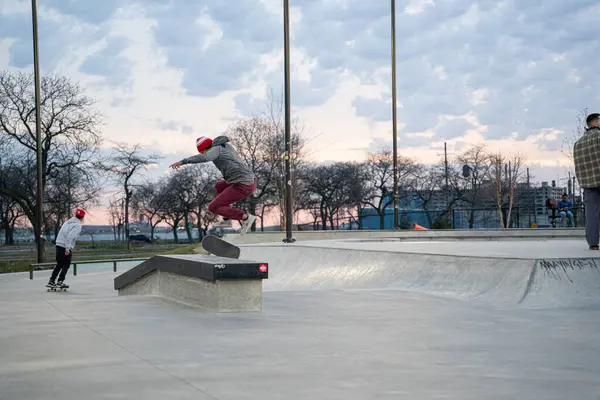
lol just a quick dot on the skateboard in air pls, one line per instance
(220, 247)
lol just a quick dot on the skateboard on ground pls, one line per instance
(56, 289)
(219, 247)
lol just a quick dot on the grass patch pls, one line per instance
(23, 265)
(81, 251)
(191, 249)
(14, 266)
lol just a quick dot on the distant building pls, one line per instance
(530, 206)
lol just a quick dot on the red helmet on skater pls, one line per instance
(203, 143)
(79, 213)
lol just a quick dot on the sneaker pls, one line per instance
(247, 223)
(62, 285)
(51, 284)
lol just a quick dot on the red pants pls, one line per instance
(228, 194)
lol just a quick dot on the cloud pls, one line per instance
(63, 26)
(517, 54)
(92, 13)
(170, 125)
(507, 70)
(17, 26)
(452, 129)
(109, 63)
(374, 109)
(247, 104)
(213, 44)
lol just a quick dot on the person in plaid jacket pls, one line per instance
(586, 156)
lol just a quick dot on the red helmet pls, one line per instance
(203, 143)
(80, 213)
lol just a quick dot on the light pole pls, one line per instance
(288, 136)
(38, 132)
(394, 115)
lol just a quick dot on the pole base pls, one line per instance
(286, 240)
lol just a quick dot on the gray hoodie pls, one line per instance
(68, 234)
(226, 159)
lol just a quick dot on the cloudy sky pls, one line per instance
(513, 74)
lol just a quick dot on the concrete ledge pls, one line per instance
(213, 283)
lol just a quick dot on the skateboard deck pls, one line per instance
(56, 289)
(219, 247)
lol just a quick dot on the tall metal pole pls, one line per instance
(394, 115)
(531, 198)
(288, 136)
(69, 191)
(446, 173)
(38, 132)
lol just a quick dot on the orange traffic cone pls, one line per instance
(418, 227)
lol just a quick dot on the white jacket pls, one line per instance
(68, 234)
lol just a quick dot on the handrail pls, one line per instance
(113, 260)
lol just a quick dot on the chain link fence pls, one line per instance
(463, 218)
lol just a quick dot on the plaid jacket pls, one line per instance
(586, 155)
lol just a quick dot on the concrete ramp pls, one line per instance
(573, 282)
(501, 281)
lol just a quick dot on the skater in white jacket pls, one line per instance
(65, 243)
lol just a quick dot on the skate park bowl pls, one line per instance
(525, 273)
(213, 283)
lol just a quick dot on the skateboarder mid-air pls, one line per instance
(65, 243)
(239, 182)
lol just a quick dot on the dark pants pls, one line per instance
(591, 199)
(63, 262)
(228, 194)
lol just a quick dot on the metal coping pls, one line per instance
(210, 268)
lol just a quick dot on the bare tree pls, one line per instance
(569, 141)
(176, 203)
(191, 190)
(10, 214)
(322, 185)
(66, 189)
(334, 187)
(516, 175)
(298, 161)
(68, 124)
(426, 184)
(117, 216)
(147, 202)
(379, 179)
(274, 113)
(304, 198)
(252, 138)
(468, 184)
(18, 178)
(122, 165)
(506, 174)
(172, 212)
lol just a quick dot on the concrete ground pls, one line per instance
(90, 343)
